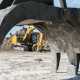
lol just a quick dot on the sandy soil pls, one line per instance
(19, 65)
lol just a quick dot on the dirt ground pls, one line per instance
(19, 65)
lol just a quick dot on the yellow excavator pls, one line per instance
(34, 42)
(41, 41)
(37, 40)
(22, 37)
(13, 40)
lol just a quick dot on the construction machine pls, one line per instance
(30, 38)
(34, 40)
(41, 41)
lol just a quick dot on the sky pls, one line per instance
(70, 3)
(15, 29)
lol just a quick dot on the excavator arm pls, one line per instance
(28, 33)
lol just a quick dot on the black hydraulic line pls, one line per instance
(6, 3)
(48, 2)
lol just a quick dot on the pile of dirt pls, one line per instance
(64, 35)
